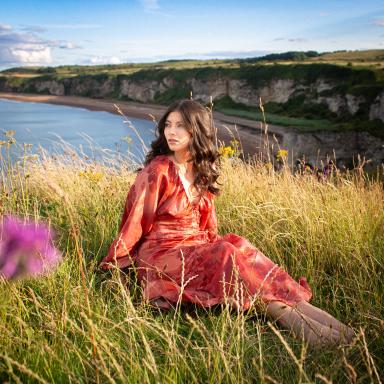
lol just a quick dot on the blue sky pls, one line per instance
(42, 32)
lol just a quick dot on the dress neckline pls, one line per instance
(189, 199)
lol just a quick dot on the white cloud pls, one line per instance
(379, 22)
(72, 26)
(30, 55)
(291, 39)
(20, 48)
(324, 14)
(68, 45)
(115, 60)
(297, 40)
(104, 60)
(5, 27)
(228, 54)
(33, 28)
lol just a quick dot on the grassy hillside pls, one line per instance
(114, 69)
(368, 58)
(63, 328)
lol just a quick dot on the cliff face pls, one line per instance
(322, 91)
(343, 94)
(277, 91)
(144, 92)
(51, 87)
(345, 148)
(350, 146)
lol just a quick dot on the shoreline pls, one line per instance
(136, 110)
(228, 127)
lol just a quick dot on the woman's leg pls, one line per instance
(303, 325)
(325, 318)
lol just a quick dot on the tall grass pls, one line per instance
(83, 325)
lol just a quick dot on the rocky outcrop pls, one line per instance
(205, 89)
(321, 85)
(353, 103)
(341, 103)
(52, 87)
(345, 147)
(278, 91)
(90, 86)
(377, 108)
(144, 91)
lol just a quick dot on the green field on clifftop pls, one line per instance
(373, 59)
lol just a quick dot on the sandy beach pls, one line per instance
(248, 131)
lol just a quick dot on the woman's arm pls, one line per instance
(208, 220)
(138, 216)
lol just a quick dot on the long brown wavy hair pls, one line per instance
(203, 151)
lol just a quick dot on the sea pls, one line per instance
(57, 129)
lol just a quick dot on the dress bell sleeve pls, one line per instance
(138, 217)
(208, 220)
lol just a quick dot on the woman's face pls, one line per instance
(176, 133)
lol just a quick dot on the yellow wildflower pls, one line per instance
(282, 154)
(127, 139)
(227, 151)
(92, 176)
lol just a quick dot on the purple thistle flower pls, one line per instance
(26, 248)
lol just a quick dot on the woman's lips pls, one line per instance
(171, 141)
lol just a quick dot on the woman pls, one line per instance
(169, 231)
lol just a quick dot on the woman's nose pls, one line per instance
(171, 130)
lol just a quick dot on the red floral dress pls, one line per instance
(179, 255)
